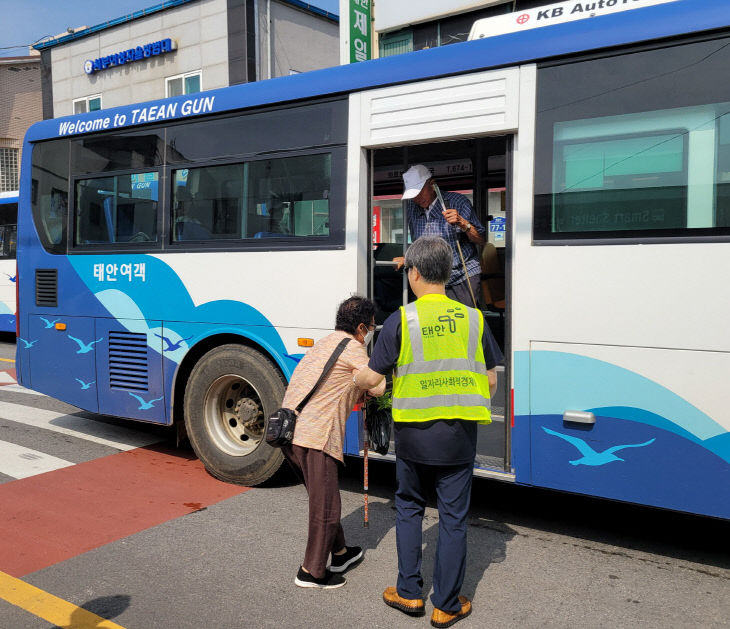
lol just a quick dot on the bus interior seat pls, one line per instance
(270, 235)
(493, 290)
(91, 213)
(387, 282)
(492, 278)
(265, 226)
(187, 223)
(258, 226)
(137, 220)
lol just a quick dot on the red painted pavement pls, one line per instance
(52, 517)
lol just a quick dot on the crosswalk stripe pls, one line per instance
(5, 377)
(16, 388)
(20, 462)
(99, 432)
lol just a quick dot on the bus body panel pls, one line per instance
(129, 369)
(8, 268)
(584, 335)
(152, 298)
(58, 363)
(7, 295)
(648, 444)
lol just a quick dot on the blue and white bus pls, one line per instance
(178, 256)
(8, 272)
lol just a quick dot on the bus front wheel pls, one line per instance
(231, 391)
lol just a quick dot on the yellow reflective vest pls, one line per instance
(441, 372)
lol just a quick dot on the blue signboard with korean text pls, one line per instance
(138, 53)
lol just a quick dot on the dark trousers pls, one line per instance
(453, 492)
(460, 292)
(325, 536)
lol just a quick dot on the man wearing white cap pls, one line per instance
(455, 223)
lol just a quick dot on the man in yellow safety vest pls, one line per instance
(443, 357)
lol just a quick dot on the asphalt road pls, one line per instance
(130, 528)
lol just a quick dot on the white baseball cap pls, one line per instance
(414, 179)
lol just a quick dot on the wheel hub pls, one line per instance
(250, 416)
(234, 415)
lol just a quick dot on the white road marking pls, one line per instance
(20, 462)
(6, 377)
(99, 432)
(16, 388)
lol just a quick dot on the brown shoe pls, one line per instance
(410, 606)
(446, 619)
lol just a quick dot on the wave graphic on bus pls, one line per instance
(609, 390)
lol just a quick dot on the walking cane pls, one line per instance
(365, 522)
(437, 190)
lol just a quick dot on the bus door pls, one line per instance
(477, 169)
(129, 369)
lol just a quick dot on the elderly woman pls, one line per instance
(317, 445)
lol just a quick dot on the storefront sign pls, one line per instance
(553, 14)
(360, 32)
(139, 53)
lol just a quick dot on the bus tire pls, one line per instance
(230, 393)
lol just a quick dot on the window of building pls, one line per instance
(88, 103)
(122, 208)
(442, 32)
(631, 156)
(395, 43)
(8, 169)
(188, 83)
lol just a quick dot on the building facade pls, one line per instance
(20, 107)
(399, 27)
(437, 24)
(183, 46)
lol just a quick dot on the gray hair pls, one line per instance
(432, 256)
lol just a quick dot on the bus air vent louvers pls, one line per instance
(46, 287)
(128, 361)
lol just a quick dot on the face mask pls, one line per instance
(369, 336)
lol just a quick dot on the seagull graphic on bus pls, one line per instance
(12, 278)
(49, 324)
(171, 347)
(85, 385)
(85, 348)
(590, 456)
(28, 344)
(143, 404)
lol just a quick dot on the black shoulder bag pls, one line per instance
(280, 426)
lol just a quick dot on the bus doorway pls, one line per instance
(477, 169)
